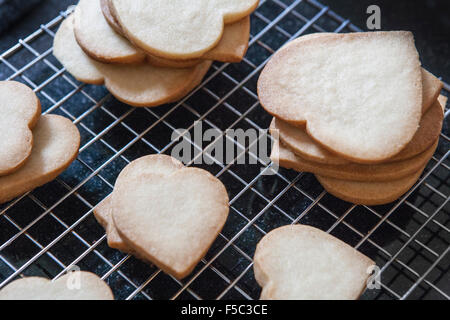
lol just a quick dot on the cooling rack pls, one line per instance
(52, 229)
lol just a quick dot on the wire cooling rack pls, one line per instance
(52, 229)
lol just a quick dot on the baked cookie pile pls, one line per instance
(148, 53)
(357, 110)
(164, 213)
(34, 149)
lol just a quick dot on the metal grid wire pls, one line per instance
(49, 230)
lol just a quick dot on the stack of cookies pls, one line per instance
(34, 149)
(357, 110)
(147, 52)
(164, 213)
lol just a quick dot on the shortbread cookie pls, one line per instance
(299, 262)
(56, 144)
(110, 18)
(359, 94)
(96, 37)
(102, 43)
(79, 285)
(369, 193)
(352, 171)
(20, 110)
(140, 85)
(172, 219)
(160, 164)
(297, 140)
(301, 144)
(431, 86)
(181, 29)
(430, 128)
(231, 48)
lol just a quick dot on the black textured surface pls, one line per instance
(11, 10)
(271, 201)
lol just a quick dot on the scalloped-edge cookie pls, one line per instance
(299, 262)
(352, 171)
(369, 193)
(56, 144)
(358, 94)
(300, 143)
(98, 40)
(78, 285)
(178, 29)
(169, 219)
(139, 85)
(20, 110)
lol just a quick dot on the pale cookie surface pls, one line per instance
(369, 193)
(140, 85)
(300, 143)
(56, 144)
(91, 287)
(232, 47)
(303, 263)
(110, 18)
(352, 171)
(178, 29)
(360, 94)
(170, 220)
(160, 164)
(98, 39)
(20, 110)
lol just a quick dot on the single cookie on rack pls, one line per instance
(97, 34)
(161, 164)
(352, 171)
(169, 217)
(20, 110)
(358, 94)
(299, 262)
(168, 30)
(56, 144)
(298, 141)
(79, 285)
(140, 85)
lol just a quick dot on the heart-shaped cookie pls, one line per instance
(178, 29)
(56, 144)
(172, 219)
(100, 40)
(139, 85)
(359, 94)
(299, 262)
(77, 285)
(20, 110)
(153, 164)
(300, 143)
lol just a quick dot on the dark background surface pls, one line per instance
(428, 19)
(103, 117)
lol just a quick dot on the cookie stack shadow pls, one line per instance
(157, 61)
(352, 160)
